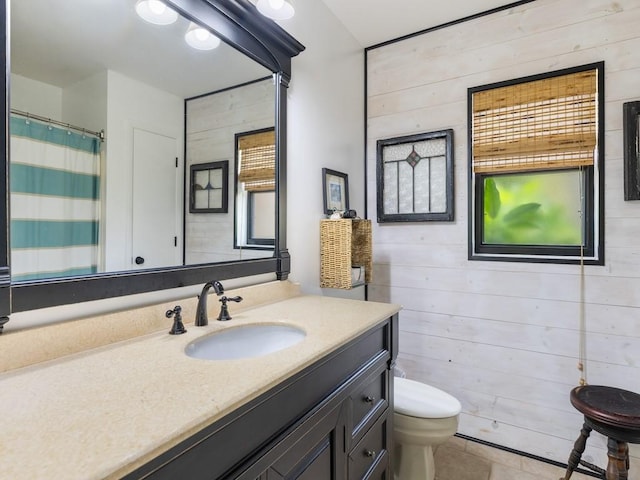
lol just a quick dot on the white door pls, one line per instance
(156, 203)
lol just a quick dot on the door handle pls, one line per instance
(139, 260)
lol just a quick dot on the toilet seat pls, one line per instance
(417, 399)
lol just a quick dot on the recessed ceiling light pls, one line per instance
(276, 9)
(201, 38)
(156, 12)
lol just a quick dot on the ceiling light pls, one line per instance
(156, 12)
(275, 9)
(200, 38)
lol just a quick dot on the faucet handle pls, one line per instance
(178, 326)
(224, 310)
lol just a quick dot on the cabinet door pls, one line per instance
(319, 454)
(314, 450)
(313, 466)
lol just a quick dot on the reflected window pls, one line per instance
(255, 189)
(261, 212)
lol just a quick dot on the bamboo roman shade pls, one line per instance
(257, 161)
(537, 125)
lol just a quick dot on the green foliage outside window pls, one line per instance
(542, 208)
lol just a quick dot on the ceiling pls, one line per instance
(61, 42)
(376, 21)
(48, 45)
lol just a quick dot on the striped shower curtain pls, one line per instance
(55, 201)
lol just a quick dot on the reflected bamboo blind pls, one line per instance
(538, 125)
(258, 161)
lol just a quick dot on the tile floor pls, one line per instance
(460, 459)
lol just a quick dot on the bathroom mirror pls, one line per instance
(98, 66)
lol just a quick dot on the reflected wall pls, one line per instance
(213, 120)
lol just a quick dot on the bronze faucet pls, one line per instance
(201, 311)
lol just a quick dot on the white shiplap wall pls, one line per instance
(503, 337)
(212, 123)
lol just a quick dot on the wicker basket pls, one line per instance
(344, 244)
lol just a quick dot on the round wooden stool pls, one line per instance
(614, 413)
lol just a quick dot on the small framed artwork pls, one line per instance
(335, 191)
(631, 139)
(414, 178)
(208, 187)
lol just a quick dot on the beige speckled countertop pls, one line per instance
(102, 413)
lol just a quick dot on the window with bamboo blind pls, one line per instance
(255, 189)
(536, 167)
(257, 160)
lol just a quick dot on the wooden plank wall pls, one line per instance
(503, 337)
(212, 122)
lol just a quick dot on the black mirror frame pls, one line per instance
(239, 24)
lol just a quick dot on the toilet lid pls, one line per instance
(417, 399)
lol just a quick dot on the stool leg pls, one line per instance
(578, 450)
(627, 454)
(618, 466)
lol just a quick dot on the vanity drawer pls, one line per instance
(370, 454)
(368, 401)
(381, 470)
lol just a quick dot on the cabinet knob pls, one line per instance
(370, 453)
(369, 399)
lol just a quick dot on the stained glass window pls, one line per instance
(415, 177)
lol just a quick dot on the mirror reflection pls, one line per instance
(82, 204)
(214, 125)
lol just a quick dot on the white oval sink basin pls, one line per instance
(245, 342)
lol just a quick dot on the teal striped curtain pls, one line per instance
(55, 201)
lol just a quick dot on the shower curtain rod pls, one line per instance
(28, 115)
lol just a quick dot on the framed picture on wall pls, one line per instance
(335, 191)
(415, 178)
(208, 187)
(631, 139)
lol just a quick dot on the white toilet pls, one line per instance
(423, 417)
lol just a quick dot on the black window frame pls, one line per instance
(249, 243)
(537, 250)
(251, 240)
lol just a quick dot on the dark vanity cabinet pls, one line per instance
(332, 420)
(347, 438)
